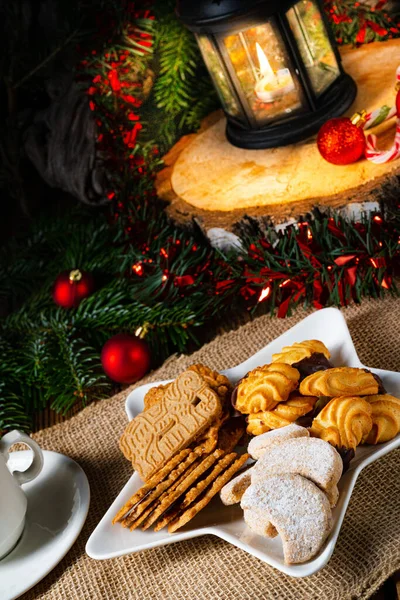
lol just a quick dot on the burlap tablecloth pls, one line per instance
(368, 549)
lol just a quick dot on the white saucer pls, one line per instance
(108, 541)
(58, 504)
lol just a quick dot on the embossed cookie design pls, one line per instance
(186, 410)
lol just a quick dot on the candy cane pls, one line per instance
(383, 156)
(378, 116)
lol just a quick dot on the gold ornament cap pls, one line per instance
(359, 118)
(142, 331)
(75, 276)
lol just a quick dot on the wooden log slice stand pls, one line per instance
(209, 181)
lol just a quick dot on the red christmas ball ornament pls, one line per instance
(125, 358)
(342, 142)
(71, 287)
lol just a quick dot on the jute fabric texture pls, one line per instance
(368, 549)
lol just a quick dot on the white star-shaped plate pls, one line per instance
(329, 326)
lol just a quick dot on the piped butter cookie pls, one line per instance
(263, 388)
(342, 381)
(301, 350)
(344, 422)
(282, 415)
(385, 417)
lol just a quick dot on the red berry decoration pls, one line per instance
(341, 142)
(71, 287)
(125, 358)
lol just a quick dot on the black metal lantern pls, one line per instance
(275, 66)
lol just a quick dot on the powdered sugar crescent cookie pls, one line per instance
(285, 413)
(259, 522)
(260, 444)
(342, 381)
(299, 351)
(333, 495)
(298, 510)
(385, 418)
(265, 387)
(310, 457)
(344, 422)
(233, 491)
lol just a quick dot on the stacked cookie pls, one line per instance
(182, 447)
(289, 491)
(349, 405)
(269, 395)
(183, 444)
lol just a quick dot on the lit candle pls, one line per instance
(271, 85)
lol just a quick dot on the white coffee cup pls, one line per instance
(13, 501)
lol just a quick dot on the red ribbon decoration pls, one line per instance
(184, 281)
(377, 28)
(114, 80)
(361, 35)
(333, 228)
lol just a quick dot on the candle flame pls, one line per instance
(265, 67)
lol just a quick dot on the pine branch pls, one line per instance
(13, 413)
(78, 374)
(183, 92)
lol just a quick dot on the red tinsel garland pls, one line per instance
(310, 273)
(321, 274)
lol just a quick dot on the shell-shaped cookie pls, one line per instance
(342, 381)
(300, 350)
(298, 510)
(385, 418)
(309, 457)
(282, 415)
(265, 387)
(261, 444)
(344, 422)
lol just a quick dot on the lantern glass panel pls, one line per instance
(219, 76)
(261, 64)
(313, 41)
